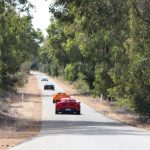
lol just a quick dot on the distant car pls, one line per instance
(49, 86)
(69, 105)
(44, 79)
(57, 97)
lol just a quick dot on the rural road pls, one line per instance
(88, 131)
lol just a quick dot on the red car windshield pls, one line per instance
(68, 100)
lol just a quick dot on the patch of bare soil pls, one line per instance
(104, 106)
(20, 115)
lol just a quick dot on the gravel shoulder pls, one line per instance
(103, 106)
(20, 119)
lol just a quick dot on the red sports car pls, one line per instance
(69, 105)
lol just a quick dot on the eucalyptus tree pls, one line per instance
(19, 42)
(111, 38)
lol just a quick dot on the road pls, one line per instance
(88, 131)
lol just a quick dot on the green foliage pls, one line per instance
(20, 77)
(125, 105)
(102, 80)
(82, 86)
(107, 41)
(71, 72)
(19, 42)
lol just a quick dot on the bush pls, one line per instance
(124, 104)
(20, 77)
(81, 86)
(142, 105)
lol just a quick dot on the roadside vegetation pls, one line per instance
(19, 47)
(19, 42)
(106, 45)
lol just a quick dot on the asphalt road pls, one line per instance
(88, 131)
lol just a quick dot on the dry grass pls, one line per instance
(22, 120)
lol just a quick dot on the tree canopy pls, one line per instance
(106, 43)
(19, 41)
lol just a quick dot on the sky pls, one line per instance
(41, 15)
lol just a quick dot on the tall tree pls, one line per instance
(107, 41)
(19, 42)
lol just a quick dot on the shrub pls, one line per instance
(125, 104)
(81, 86)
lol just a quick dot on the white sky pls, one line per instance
(41, 15)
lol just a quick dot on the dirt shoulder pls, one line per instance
(103, 106)
(20, 119)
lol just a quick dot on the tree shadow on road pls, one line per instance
(88, 128)
(61, 127)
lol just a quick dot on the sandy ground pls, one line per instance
(21, 119)
(103, 106)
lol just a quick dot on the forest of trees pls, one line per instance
(103, 43)
(19, 42)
